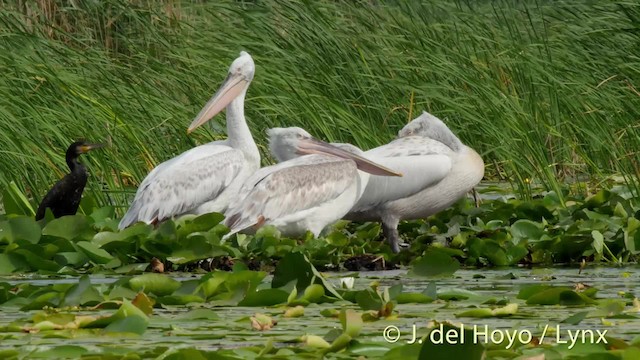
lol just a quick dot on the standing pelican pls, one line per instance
(205, 178)
(302, 192)
(438, 170)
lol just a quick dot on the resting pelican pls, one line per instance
(302, 192)
(205, 178)
(438, 170)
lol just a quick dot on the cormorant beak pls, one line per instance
(314, 146)
(88, 147)
(229, 90)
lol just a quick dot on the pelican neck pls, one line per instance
(238, 133)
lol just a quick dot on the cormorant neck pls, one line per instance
(238, 133)
(74, 164)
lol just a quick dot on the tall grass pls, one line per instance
(546, 90)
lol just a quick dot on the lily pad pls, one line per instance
(158, 284)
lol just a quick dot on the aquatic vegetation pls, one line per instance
(603, 228)
(243, 313)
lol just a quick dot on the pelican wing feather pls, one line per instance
(179, 185)
(289, 187)
(423, 162)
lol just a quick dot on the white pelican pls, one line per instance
(438, 170)
(205, 178)
(302, 192)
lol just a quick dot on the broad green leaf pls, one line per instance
(9, 263)
(368, 299)
(158, 284)
(418, 298)
(598, 241)
(61, 352)
(25, 228)
(598, 199)
(75, 259)
(530, 290)
(576, 318)
(296, 266)
(200, 223)
(93, 252)
(179, 299)
(68, 227)
(526, 229)
(82, 293)
(36, 261)
(130, 324)
(127, 309)
(559, 296)
(435, 263)
(266, 297)
(403, 352)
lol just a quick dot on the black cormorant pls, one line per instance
(64, 196)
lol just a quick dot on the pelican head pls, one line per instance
(429, 126)
(288, 143)
(237, 82)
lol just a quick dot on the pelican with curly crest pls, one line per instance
(313, 185)
(438, 170)
(205, 178)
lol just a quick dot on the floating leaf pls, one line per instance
(61, 352)
(435, 263)
(130, 324)
(558, 296)
(265, 297)
(196, 314)
(157, 284)
(576, 318)
(418, 298)
(179, 299)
